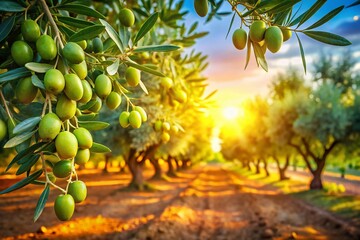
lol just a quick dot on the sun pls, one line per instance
(231, 113)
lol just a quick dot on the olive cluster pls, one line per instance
(270, 38)
(165, 128)
(177, 92)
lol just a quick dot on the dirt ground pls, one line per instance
(201, 203)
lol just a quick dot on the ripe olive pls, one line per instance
(126, 17)
(65, 108)
(78, 191)
(73, 53)
(87, 95)
(83, 137)
(257, 31)
(73, 87)
(66, 145)
(80, 69)
(132, 76)
(3, 129)
(25, 91)
(54, 81)
(135, 119)
(97, 45)
(103, 86)
(165, 137)
(49, 127)
(82, 156)
(166, 126)
(46, 47)
(21, 52)
(62, 169)
(97, 106)
(124, 119)
(64, 207)
(158, 125)
(30, 30)
(201, 7)
(142, 113)
(166, 82)
(273, 39)
(287, 33)
(239, 38)
(113, 100)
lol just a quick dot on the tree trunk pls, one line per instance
(343, 174)
(107, 158)
(158, 174)
(257, 166)
(316, 182)
(247, 164)
(295, 162)
(170, 172)
(266, 167)
(177, 164)
(282, 170)
(137, 179)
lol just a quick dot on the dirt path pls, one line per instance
(202, 203)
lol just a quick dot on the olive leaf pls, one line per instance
(26, 125)
(87, 33)
(146, 27)
(42, 202)
(93, 125)
(6, 27)
(10, 6)
(328, 38)
(14, 74)
(99, 148)
(19, 139)
(157, 48)
(301, 52)
(113, 68)
(113, 35)
(81, 9)
(23, 182)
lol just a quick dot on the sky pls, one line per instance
(226, 64)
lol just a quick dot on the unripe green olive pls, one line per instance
(87, 95)
(80, 69)
(180, 95)
(165, 137)
(124, 119)
(30, 30)
(97, 106)
(82, 156)
(82, 44)
(142, 113)
(51, 177)
(201, 7)
(21, 52)
(103, 86)
(273, 39)
(166, 126)
(97, 45)
(78, 191)
(135, 119)
(66, 145)
(25, 91)
(239, 38)
(158, 125)
(287, 33)
(3, 129)
(83, 137)
(46, 47)
(257, 31)
(73, 87)
(89, 46)
(62, 169)
(166, 82)
(64, 207)
(126, 17)
(132, 76)
(49, 127)
(65, 108)
(113, 100)
(73, 53)
(54, 81)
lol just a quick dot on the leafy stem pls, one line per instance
(52, 22)
(6, 107)
(46, 175)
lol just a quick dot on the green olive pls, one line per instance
(30, 30)
(73, 87)
(25, 91)
(65, 108)
(126, 17)
(73, 53)
(46, 47)
(54, 81)
(21, 52)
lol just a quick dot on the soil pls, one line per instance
(206, 202)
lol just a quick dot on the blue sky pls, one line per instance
(226, 69)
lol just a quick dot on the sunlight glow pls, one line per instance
(356, 18)
(231, 113)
